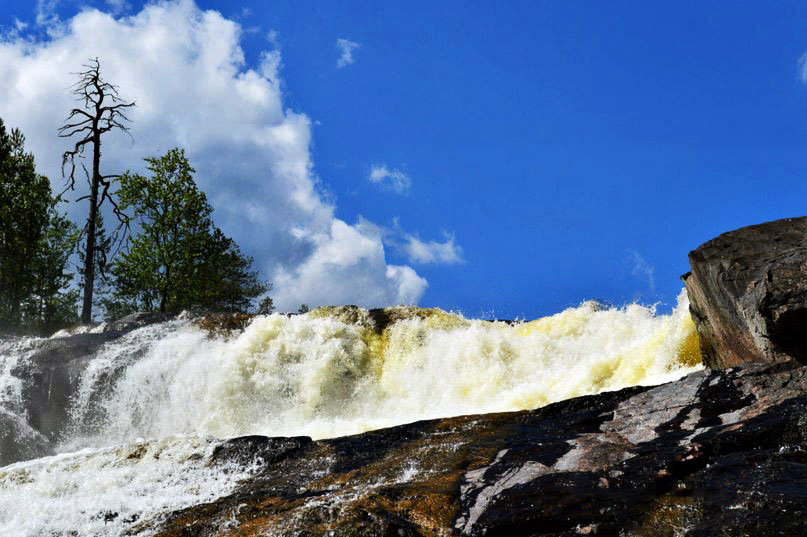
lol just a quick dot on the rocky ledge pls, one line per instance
(716, 453)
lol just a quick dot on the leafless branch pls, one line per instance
(102, 110)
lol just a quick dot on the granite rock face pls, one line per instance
(720, 452)
(748, 294)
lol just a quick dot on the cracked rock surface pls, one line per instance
(715, 453)
(748, 294)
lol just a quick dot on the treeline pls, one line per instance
(36, 242)
(164, 252)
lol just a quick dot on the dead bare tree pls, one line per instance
(102, 110)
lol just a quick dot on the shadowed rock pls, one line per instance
(138, 320)
(748, 294)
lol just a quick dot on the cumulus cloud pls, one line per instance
(345, 48)
(354, 254)
(390, 178)
(186, 71)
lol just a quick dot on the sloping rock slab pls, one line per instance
(716, 453)
(748, 294)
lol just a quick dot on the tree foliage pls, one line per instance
(35, 244)
(179, 259)
(101, 111)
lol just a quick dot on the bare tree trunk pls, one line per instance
(91, 91)
(89, 258)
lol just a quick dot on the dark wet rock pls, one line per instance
(18, 441)
(748, 294)
(51, 378)
(138, 320)
(715, 453)
(251, 449)
(379, 319)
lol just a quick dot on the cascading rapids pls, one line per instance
(145, 408)
(321, 376)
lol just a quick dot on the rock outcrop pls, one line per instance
(719, 452)
(748, 294)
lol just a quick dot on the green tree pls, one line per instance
(35, 243)
(52, 305)
(266, 306)
(179, 259)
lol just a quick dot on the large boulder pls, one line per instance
(748, 294)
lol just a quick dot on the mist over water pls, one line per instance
(174, 389)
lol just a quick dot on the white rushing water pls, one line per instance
(316, 375)
(323, 374)
(109, 491)
(14, 422)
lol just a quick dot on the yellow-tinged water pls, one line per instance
(332, 372)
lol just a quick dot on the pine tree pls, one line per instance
(35, 244)
(179, 259)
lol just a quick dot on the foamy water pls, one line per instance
(111, 491)
(319, 376)
(323, 374)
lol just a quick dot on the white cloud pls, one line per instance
(118, 6)
(185, 69)
(802, 63)
(419, 251)
(390, 178)
(46, 13)
(345, 48)
(640, 267)
(353, 254)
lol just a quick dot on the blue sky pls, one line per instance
(510, 160)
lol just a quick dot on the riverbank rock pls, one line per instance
(720, 452)
(748, 294)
